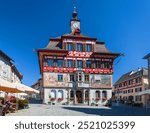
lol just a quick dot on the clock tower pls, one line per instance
(75, 22)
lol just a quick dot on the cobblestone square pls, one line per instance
(48, 110)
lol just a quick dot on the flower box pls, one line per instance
(71, 99)
(97, 99)
(60, 99)
(52, 99)
(104, 98)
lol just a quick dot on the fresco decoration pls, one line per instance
(101, 81)
(51, 80)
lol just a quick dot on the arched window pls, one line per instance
(71, 94)
(86, 94)
(60, 94)
(53, 94)
(97, 93)
(104, 94)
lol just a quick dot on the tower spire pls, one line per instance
(75, 14)
(75, 22)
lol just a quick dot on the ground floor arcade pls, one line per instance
(85, 96)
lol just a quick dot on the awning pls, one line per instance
(8, 87)
(145, 92)
(25, 88)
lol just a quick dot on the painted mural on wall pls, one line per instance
(101, 81)
(51, 80)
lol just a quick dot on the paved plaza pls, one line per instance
(48, 110)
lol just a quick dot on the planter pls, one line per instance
(97, 99)
(52, 99)
(60, 99)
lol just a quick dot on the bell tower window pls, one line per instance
(88, 48)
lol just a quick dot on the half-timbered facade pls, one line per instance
(76, 68)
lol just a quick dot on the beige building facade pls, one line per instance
(128, 88)
(38, 86)
(8, 70)
(76, 69)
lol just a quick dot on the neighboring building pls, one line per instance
(8, 70)
(146, 93)
(148, 59)
(38, 86)
(129, 85)
(76, 68)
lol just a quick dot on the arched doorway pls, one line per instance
(79, 96)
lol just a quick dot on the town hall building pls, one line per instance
(76, 69)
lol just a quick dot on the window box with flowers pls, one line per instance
(104, 99)
(71, 99)
(60, 99)
(52, 99)
(97, 99)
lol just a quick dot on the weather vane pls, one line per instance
(74, 5)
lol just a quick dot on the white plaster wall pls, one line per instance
(93, 95)
(47, 92)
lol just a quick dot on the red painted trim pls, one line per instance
(86, 70)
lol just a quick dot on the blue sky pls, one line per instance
(28, 24)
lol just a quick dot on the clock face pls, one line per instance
(75, 25)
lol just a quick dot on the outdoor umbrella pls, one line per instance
(25, 88)
(8, 87)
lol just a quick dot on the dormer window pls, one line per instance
(70, 47)
(88, 48)
(79, 47)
